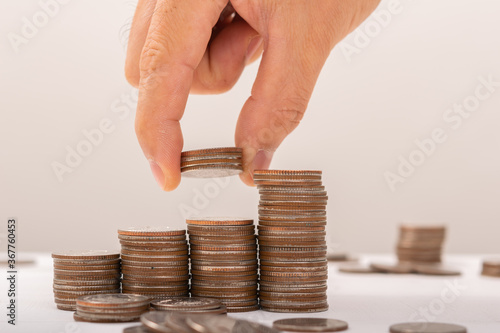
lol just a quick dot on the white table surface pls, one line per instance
(369, 303)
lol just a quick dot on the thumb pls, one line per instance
(284, 84)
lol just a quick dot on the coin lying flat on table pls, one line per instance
(427, 327)
(435, 269)
(400, 268)
(310, 325)
(211, 163)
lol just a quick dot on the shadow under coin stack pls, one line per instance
(111, 308)
(420, 244)
(223, 254)
(154, 262)
(78, 273)
(292, 245)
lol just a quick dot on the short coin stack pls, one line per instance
(210, 163)
(420, 244)
(154, 262)
(109, 308)
(224, 261)
(491, 268)
(78, 273)
(190, 305)
(292, 245)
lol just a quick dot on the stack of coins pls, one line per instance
(173, 321)
(190, 305)
(78, 273)
(224, 261)
(154, 262)
(491, 268)
(420, 244)
(210, 163)
(109, 308)
(292, 245)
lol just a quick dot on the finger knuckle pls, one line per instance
(289, 114)
(151, 63)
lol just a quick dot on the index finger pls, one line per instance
(174, 46)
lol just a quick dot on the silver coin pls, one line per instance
(86, 262)
(155, 231)
(215, 324)
(86, 254)
(212, 171)
(113, 300)
(156, 321)
(427, 327)
(310, 325)
(187, 303)
(233, 156)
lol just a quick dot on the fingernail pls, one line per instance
(262, 159)
(253, 46)
(158, 173)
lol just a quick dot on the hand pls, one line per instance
(172, 52)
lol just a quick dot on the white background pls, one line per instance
(366, 111)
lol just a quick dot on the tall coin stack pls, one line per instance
(420, 244)
(223, 254)
(79, 273)
(292, 245)
(154, 262)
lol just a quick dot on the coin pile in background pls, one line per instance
(154, 262)
(210, 163)
(292, 245)
(223, 254)
(191, 305)
(491, 268)
(109, 308)
(420, 243)
(78, 273)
